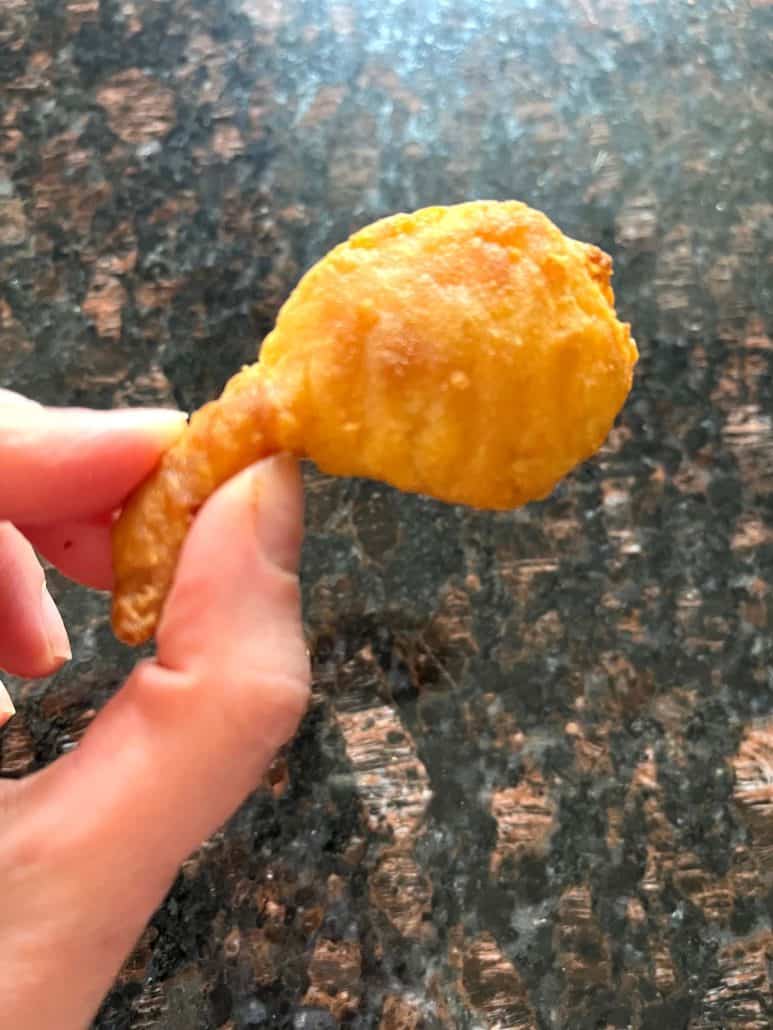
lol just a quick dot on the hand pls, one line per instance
(90, 845)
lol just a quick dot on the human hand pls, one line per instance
(90, 845)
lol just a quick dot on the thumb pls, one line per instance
(190, 734)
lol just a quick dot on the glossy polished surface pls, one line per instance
(535, 786)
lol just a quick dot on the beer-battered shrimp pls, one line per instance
(471, 353)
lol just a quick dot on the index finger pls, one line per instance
(68, 464)
(11, 397)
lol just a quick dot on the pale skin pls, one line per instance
(90, 845)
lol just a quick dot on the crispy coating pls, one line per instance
(471, 353)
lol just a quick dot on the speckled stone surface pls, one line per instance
(535, 787)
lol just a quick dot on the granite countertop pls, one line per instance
(534, 789)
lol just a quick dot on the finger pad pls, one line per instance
(80, 550)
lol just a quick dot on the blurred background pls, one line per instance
(534, 789)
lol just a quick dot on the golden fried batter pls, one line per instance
(471, 353)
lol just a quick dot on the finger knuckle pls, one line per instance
(264, 709)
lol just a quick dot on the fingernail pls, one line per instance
(279, 510)
(6, 705)
(10, 399)
(58, 641)
(163, 424)
(163, 421)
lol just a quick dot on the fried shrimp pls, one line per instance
(471, 353)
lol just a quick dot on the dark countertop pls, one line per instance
(535, 786)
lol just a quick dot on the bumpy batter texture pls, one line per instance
(471, 353)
